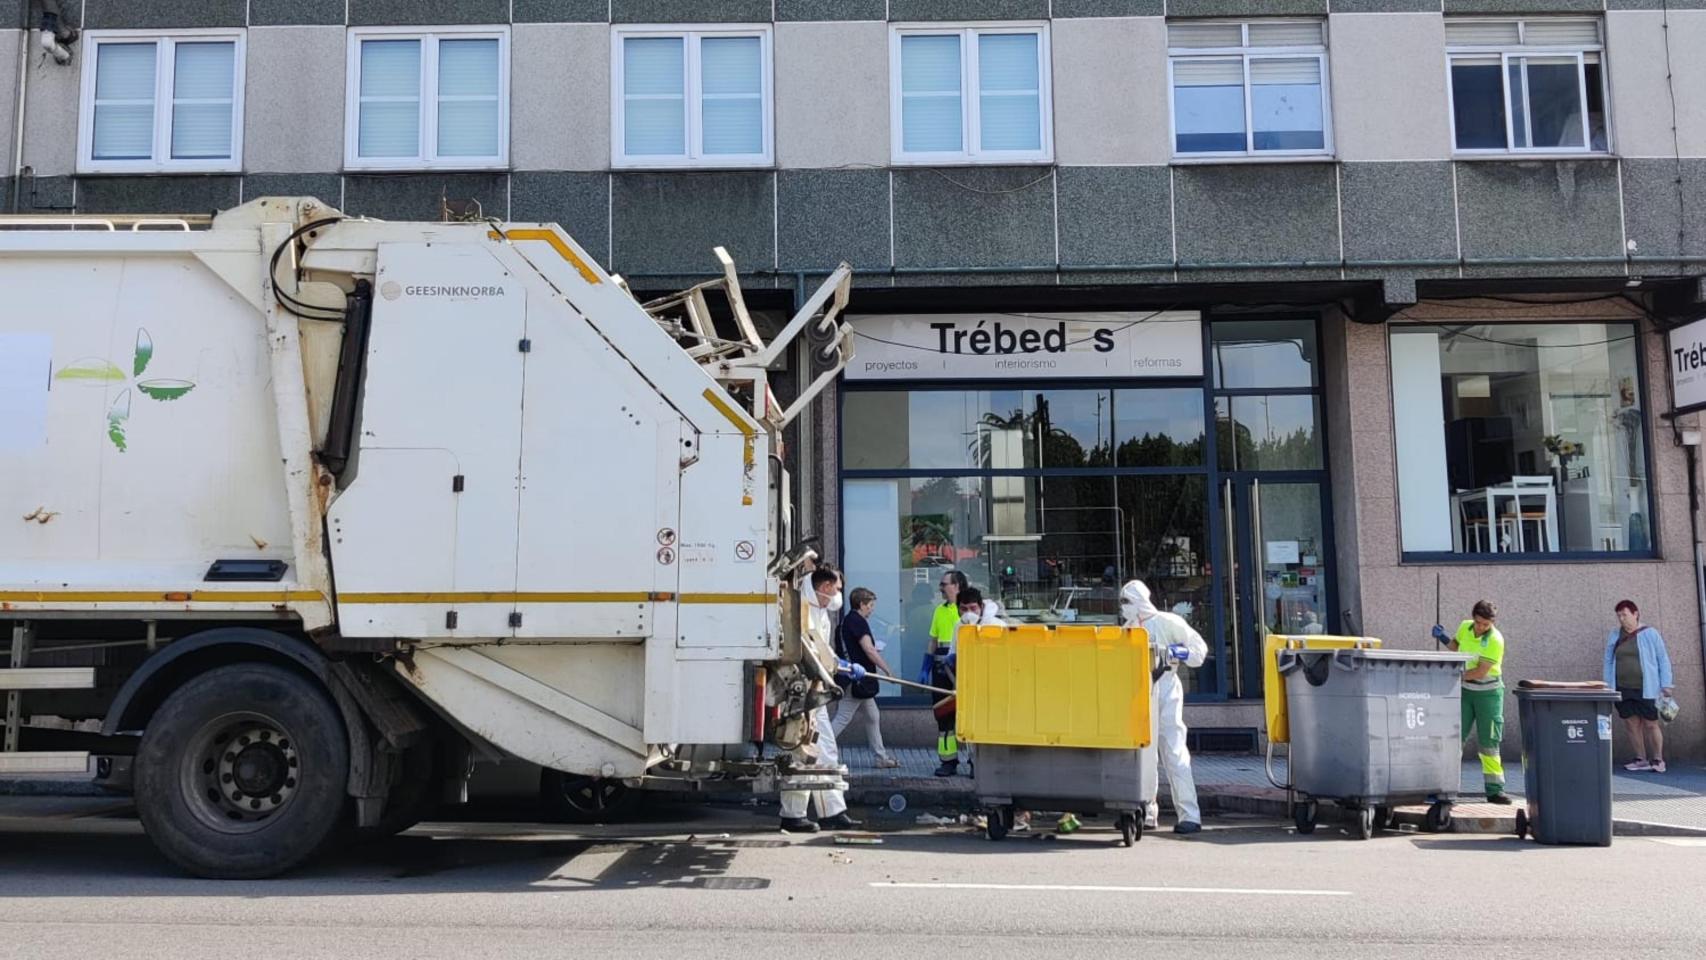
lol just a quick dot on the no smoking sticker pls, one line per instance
(745, 551)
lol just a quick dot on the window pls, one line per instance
(1249, 89)
(427, 100)
(697, 98)
(1527, 86)
(1521, 439)
(970, 95)
(162, 104)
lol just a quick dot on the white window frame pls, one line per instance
(971, 98)
(165, 63)
(1456, 52)
(427, 158)
(1247, 53)
(694, 156)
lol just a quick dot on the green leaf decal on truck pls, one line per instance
(94, 370)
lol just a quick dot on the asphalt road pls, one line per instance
(727, 885)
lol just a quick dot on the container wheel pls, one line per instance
(1131, 829)
(1438, 817)
(1303, 813)
(1382, 818)
(1522, 824)
(998, 821)
(1365, 823)
(572, 798)
(241, 773)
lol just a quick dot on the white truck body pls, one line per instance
(557, 524)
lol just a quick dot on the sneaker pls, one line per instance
(1658, 767)
(1499, 799)
(1187, 827)
(1638, 765)
(840, 821)
(887, 763)
(948, 768)
(798, 825)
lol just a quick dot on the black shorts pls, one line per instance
(1633, 706)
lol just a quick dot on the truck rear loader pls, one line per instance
(303, 514)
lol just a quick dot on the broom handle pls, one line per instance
(908, 683)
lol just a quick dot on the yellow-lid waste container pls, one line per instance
(1057, 719)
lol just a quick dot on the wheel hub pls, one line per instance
(248, 770)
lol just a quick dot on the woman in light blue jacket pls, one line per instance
(1638, 666)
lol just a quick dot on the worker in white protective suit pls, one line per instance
(1172, 641)
(821, 597)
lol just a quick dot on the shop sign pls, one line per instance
(1003, 346)
(1687, 348)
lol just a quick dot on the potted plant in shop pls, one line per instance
(1562, 451)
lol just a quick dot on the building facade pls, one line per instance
(1319, 316)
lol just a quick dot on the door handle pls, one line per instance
(1235, 684)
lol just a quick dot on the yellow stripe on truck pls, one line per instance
(556, 243)
(376, 599)
(165, 596)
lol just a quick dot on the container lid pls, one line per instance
(1602, 695)
(1362, 653)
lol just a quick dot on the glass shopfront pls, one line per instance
(1049, 493)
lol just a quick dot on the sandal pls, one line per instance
(1638, 765)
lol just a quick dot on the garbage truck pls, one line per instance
(302, 515)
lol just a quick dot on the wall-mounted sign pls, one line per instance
(1687, 349)
(1004, 346)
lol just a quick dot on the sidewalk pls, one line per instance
(1673, 802)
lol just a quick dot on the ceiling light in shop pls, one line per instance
(1474, 388)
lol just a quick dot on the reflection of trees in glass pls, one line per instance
(1160, 450)
(1059, 448)
(1241, 450)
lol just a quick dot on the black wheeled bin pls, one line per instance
(1566, 763)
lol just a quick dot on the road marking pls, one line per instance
(1680, 841)
(1098, 888)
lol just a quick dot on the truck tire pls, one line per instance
(241, 772)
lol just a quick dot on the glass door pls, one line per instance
(1280, 570)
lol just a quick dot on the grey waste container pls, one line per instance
(1372, 729)
(1566, 763)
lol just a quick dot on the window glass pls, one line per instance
(1010, 102)
(931, 103)
(1527, 85)
(968, 93)
(1249, 88)
(202, 82)
(1159, 428)
(1265, 354)
(1521, 438)
(1268, 432)
(654, 96)
(124, 101)
(468, 98)
(390, 123)
(732, 81)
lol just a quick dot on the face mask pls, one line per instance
(969, 619)
(834, 602)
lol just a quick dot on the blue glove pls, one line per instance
(853, 670)
(1440, 635)
(1179, 652)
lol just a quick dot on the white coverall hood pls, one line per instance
(1135, 603)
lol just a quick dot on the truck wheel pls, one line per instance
(241, 773)
(577, 799)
